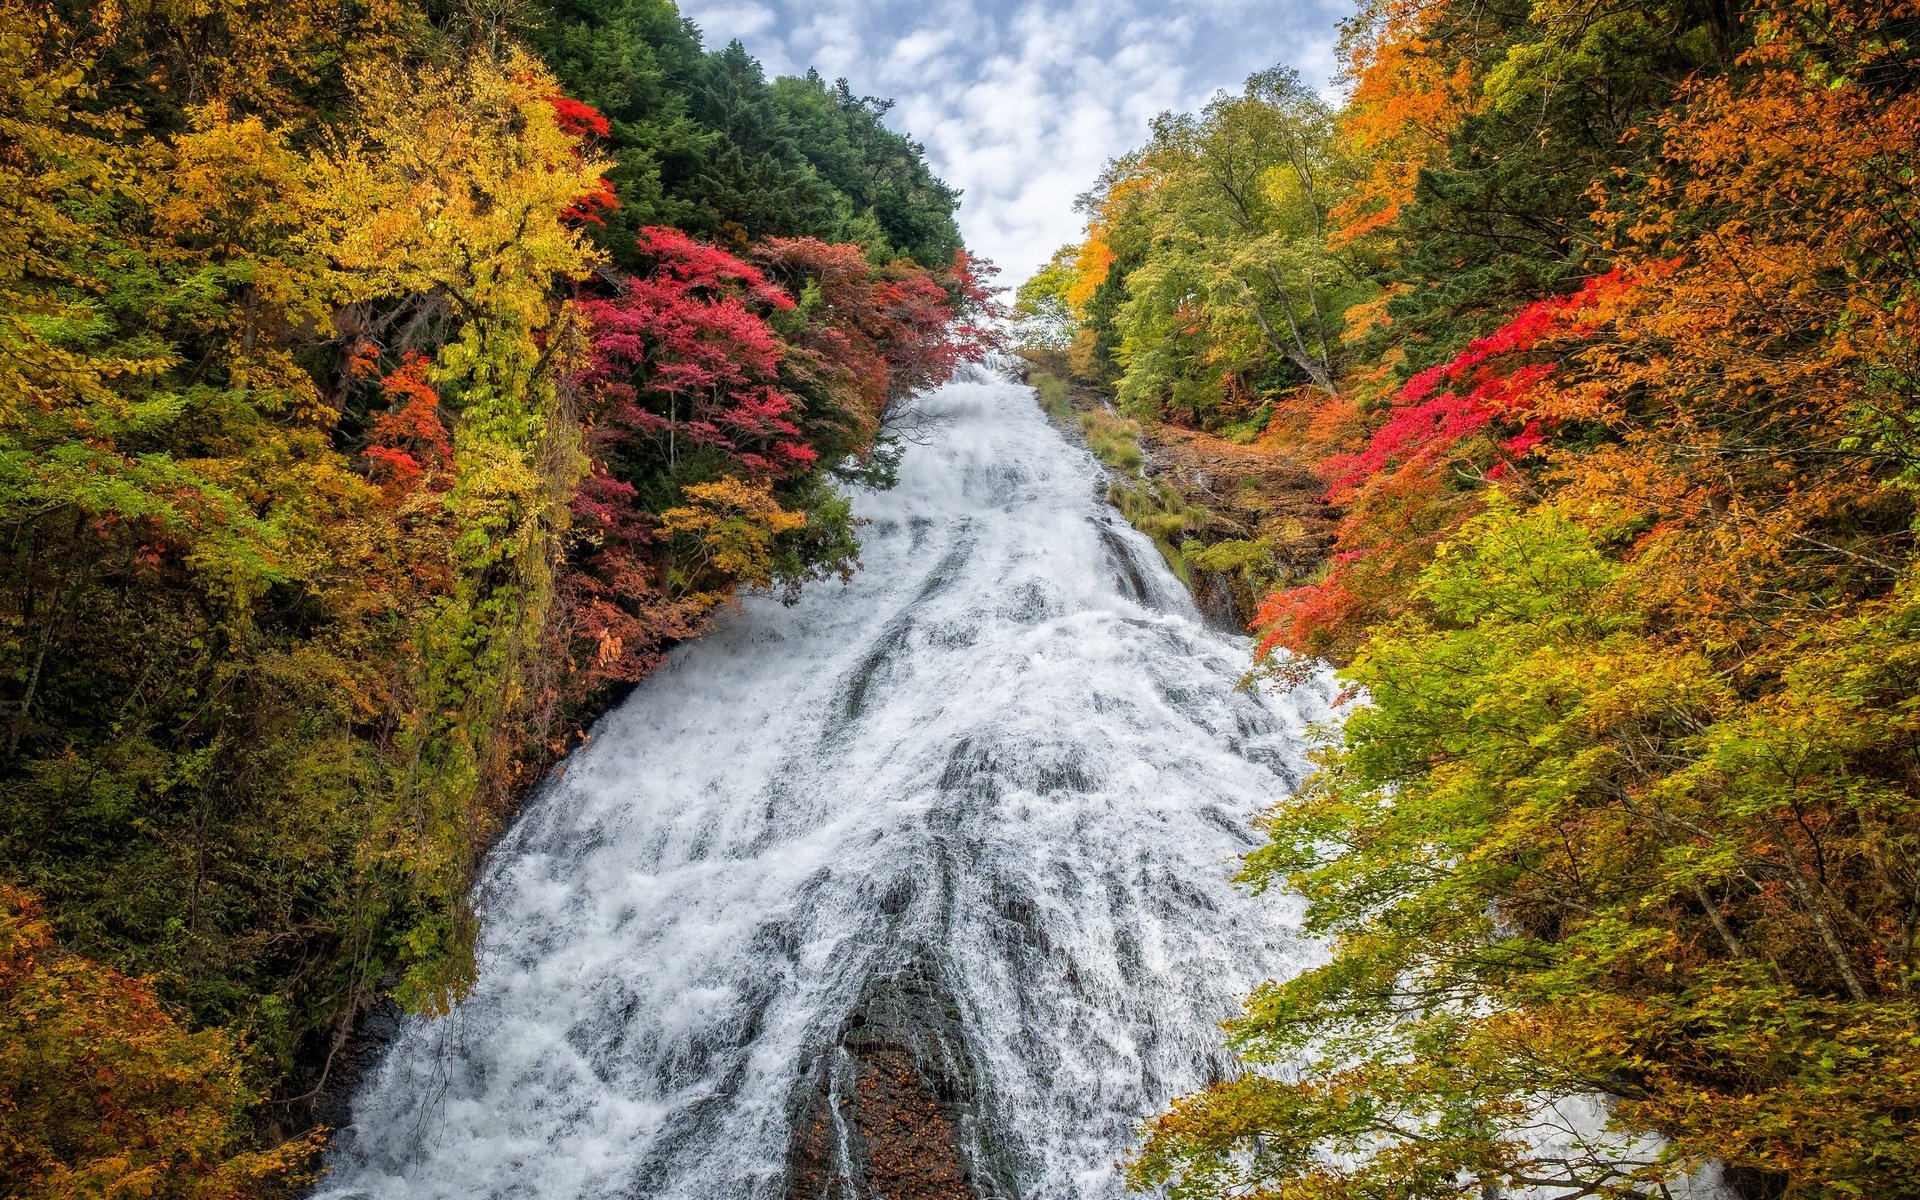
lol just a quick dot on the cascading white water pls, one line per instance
(1009, 754)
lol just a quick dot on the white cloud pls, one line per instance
(1021, 102)
(722, 23)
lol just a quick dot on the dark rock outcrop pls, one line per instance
(889, 1111)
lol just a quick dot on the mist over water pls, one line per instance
(1009, 756)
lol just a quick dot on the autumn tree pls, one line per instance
(102, 1092)
(1208, 277)
(298, 503)
(1559, 857)
(724, 396)
(1624, 580)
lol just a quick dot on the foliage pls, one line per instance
(1046, 318)
(1616, 420)
(704, 142)
(1207, 263)
(102, 1092)
(459, 186)
(1447, 432)
(722, 396)
(343, 473)
(1560, 856)
(730, 526)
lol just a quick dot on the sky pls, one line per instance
(1021, 102)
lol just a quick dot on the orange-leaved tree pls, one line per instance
(103, 1092)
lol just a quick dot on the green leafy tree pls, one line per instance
(1229, 290)
(1559, 857)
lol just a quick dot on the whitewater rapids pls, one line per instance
(1010, 754)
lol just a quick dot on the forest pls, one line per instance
(1599, 325)
(385, 386)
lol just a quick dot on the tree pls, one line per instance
(459, 187)
(306, 563)
(1446, 434)
(1220, 229)
(1560, 856)
(1627, 812)
(102, 1092)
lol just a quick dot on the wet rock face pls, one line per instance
(1248, 493)
(888, 1113)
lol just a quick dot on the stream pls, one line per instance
(918, 887)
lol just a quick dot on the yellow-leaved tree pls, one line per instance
(454, 194)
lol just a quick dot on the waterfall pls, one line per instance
(947, 846)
